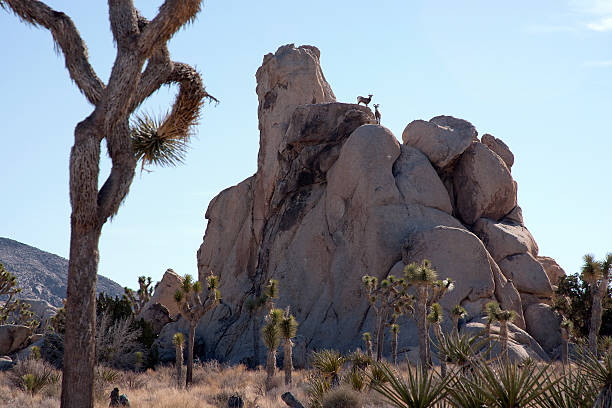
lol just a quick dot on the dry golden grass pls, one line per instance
(213, 385)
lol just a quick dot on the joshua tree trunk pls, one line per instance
(596, 311)
(80, 356)
(256, 334)
(441, 355)
(288, 360)
(192, 327)
(564, 346)
(137, 41)
(380, 337)
(503, 333)
(270, 368)
(456, 324)
(179, 366)
(394, 346)
(369, 350)
(489, 342)
(421, 316)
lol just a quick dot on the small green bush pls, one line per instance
(342, 397)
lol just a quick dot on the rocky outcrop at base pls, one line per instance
(336, 197)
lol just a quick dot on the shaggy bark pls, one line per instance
(270, 368)
(564, 345)
(192, 327)
(138, 40)
(394, 347)
(421, 316)
(599, 289)
(503, 333)
(288, 360)
(441, 355)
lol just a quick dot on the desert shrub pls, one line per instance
(116, 342)
(342, 397)
(33, 375)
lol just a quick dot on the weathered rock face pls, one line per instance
(552, 269)
(336, 197)
(13, 338)
(163, 295)
(500, 148)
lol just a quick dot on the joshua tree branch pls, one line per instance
(117, 185)
(173, 14)
(124, 21)
(67, 39)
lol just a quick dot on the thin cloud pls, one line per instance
(595, 7)
(604, 24)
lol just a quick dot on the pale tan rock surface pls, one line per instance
(483, 185)
(164, 293)
(543, 324)
(13, 337)
(336, 197)
(504, 238)
(527, 274)
(500, 148)
(552, 269)
(442, 144)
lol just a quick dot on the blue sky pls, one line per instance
(538, 75)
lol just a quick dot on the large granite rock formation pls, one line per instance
(336, 197)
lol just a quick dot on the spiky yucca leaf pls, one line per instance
(395, 328)
(464, 394)
(179, 296)
(328, 362)
(288, 326)
(572, 391)
(508, 385)
(435, 315)
(156, 144)
(599, 373)
(459, 311)
(422, 274)
(506, 315)
(178, 339)
(271, 335)
(271, 290)
(463, 349)
(420, 389)
(492, 309)
(591, 269)
(367, 336)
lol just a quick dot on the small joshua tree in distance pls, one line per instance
(435, 318)
(367, 339)
(504, 317)
(288, 329)
(179, 342)
(143, 294)
(255, 305)
(457, 312)
(271, 334)
(395, 329)
(192, 307)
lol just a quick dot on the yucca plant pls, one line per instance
(395, 329)
(597, 275)
(466, 394)
(504, 317)
(435, 318)
(420, 389)
(255, 305)
(510, 385)
(463, 349)
(457, 312)
(491, 310)
(179, 342)
(328, 363)
(316, 388)
(389, 299)
(566, 329)
(192, 307)
(359, 360)
(422, 276)
(271, 334)
(367, 339)
(572, 390)
(605, 344)
(288, 329)
(599, 373)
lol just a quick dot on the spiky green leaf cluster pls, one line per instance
(435, 315)
(420, 274)
(178, 339)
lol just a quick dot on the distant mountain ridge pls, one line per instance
(43, 275)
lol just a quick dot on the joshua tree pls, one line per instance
(192, 307)
(271, 334)
(367, 339)
(597, 275)
(288, 329)
(255, 305)
(179, 342)
(435, 318)
(457, 312)
(389, 301)
(13, 310)
(504, 317)
(491, 310)
(395, 329)
(138, 42)
(423, 277)
(143, 293)
(566, 329)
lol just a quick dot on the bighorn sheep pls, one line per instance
(377, 113)
(364, 100)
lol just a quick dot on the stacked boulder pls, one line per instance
(336, 197)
